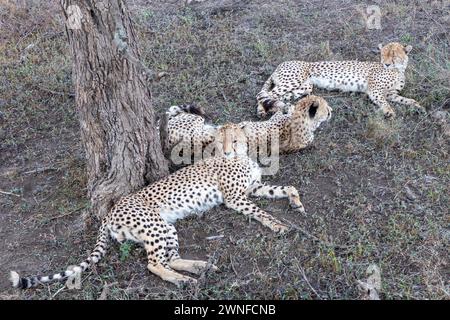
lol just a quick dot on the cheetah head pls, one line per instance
(231, 140)
(310, 111)
(394, 55)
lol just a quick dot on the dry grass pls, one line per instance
(375, 191)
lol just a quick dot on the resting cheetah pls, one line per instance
(380, 80)
(147, 217)
(294, 129)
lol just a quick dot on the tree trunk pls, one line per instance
(113, 101)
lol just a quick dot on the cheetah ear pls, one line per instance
(408, 48)
(380, 46)
(313, 109)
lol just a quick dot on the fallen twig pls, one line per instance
(232, 266)
(57, 292)
(67, 213)
(39, 170)
(302, 271)
(214, 237)
(10, 193)
(326, 243)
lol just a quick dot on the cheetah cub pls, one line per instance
(148, 216)
(381, 81)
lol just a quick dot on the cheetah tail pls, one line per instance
(265, 100)
(95, 256)
(186, 108)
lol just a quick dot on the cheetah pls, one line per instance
(381, 81)
(294, 128)
(148, 216)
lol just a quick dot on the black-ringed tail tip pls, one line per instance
(32, 281)
(15, 279)
(26, 282)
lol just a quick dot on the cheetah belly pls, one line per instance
(358, 84)
(209, 197)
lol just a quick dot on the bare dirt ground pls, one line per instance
(375, 191)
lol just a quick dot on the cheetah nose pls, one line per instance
(387, 65)
(228, 153)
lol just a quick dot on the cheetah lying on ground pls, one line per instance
(147, 217)
(295, 128)
(185, 126)
(380, 80)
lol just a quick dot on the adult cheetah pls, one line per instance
(147, 216)
(381, 81)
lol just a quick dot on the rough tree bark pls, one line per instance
(113, 101)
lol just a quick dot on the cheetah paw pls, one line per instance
(280, 228)
(299, 208)
(390, 114)
(205, 266)
(213, 268)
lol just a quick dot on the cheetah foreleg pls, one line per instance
(378, 98)
(396, 98)
(278, 192)
(249, 209)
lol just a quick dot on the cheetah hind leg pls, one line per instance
(169, 275)
(192, 266)
(157, 262)
(396, 98)
(270, 102)
(175, 262)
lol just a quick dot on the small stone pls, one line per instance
(429, 179)
(439, 115)
(409, 194)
